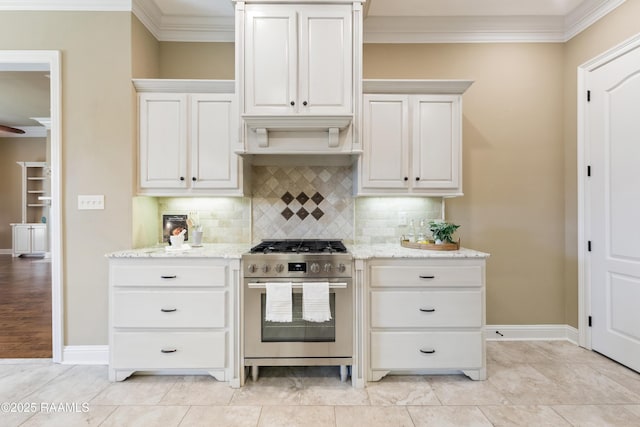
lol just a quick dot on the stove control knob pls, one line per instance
(265, 268)
(315, 267)
(279, 268)
(252, 268)
(342, 268)
(327, 268)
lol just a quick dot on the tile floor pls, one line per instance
(530, 383)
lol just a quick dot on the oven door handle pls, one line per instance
(340, 285)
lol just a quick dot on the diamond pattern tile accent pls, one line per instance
(329, 188)
(302, 198)
(287, 213)
(317, 198)
(287, 198)
(317, 213)
(302, 213)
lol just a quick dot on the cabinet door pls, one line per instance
(270, 54)
(39, 238)
(325, 59)
(436, 140)
(213, 132)
(385, 161)
(163, 140)
(21, 239)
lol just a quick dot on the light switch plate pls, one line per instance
(91, 202)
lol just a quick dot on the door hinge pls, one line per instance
(589, 321)
(589, 170)
(588, 96)
(589, 245)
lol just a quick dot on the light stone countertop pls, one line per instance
(208, 250)
(394, 250)
(235, 251)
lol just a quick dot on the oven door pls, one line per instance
(299, 338)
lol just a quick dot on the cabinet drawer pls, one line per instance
(169, 309)
(168, 275)
(155, 350)
(426, 275)
(444, 350)
(426, 309)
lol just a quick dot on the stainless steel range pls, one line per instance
(299, 342)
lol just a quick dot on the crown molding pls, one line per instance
(438, 29)
(76, 5)
(587, 14)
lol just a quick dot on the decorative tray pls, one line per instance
(431, 246)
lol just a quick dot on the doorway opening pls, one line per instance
(40, 269)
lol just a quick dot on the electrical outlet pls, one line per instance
(402, 219)
(90, 202)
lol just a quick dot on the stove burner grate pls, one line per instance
(299, 246)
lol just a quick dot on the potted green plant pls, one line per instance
(442, 231)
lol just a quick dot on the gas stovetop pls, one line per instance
(301, 258)
(300, 246)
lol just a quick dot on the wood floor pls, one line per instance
(25, 307)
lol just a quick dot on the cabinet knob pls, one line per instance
(304, 103)
(182, 178)
(406, 178)
(293, 103)
(417, 178)
(193, 178)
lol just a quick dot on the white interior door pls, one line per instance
(613, 192)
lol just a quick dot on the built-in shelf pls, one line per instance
(264, 124)
(184, 86)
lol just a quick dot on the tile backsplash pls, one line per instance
(289, 203)
(302, 202)
(377, 219)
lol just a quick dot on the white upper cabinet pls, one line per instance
(298, 59)
(412, 141)
(186, 141)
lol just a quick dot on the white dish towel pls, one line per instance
(279, 306)
(315, 302)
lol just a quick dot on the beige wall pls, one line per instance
(513, 164)
(145, 52)
(96, 149)
(14, 150)
(197, 60)
(619, 25)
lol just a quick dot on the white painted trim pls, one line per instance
(83, 5)
(531, 333)
(6, 251)
(86, 355)
(584, 267)
(587, 14)
(51, 58)
(409, 86)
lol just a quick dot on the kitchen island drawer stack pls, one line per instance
(426, 315)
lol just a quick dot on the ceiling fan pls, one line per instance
(10, 129)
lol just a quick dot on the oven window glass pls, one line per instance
(299, 330)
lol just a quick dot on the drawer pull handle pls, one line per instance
(427, 310)
(168, 277)
(168, 350)
(427, 351)
(168, 310)
(427, 277)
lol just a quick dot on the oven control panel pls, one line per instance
(318, 266)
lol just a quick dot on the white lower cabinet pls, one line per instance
(425, 315)
(169, 314)
(29, 239)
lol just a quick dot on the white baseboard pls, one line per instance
(85, 355)
(6, 251)
(531, 333)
